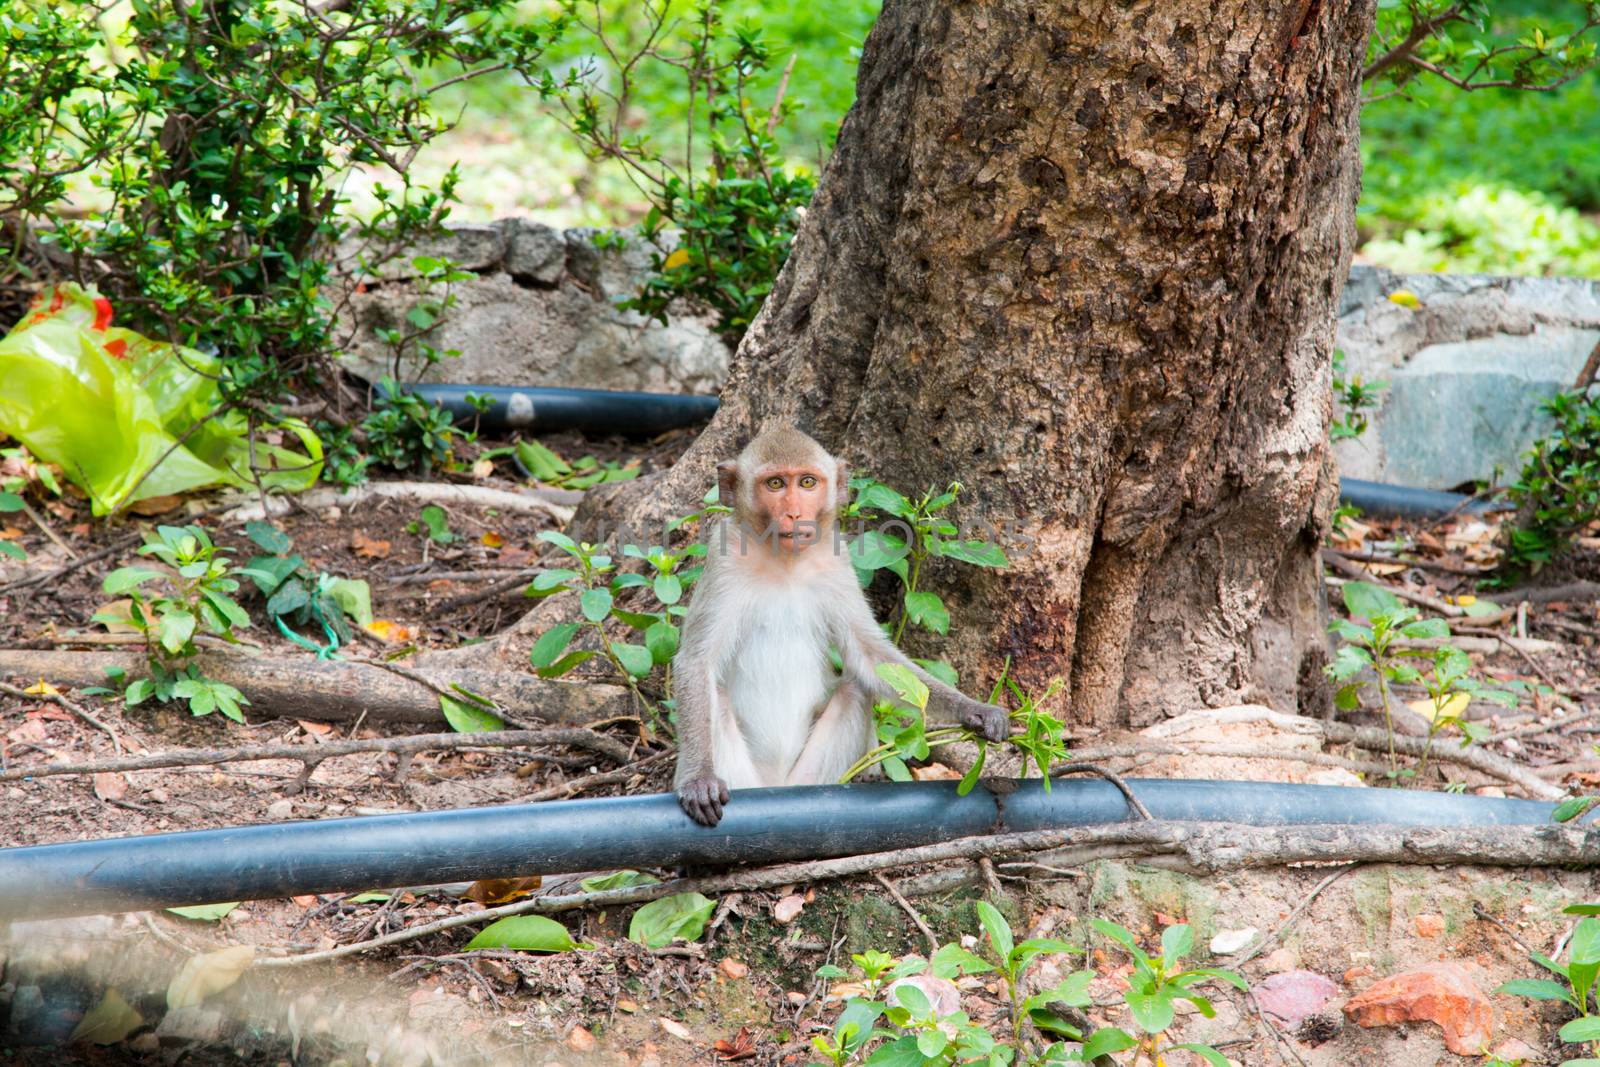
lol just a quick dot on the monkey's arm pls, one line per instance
(864, 647)
(694, 687)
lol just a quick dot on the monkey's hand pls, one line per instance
(986, 720)
(703, 798)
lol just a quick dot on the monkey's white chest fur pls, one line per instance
(784, 642)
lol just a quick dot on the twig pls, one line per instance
(1478, 910)
(311, 755)
(1159, 748)
(485, 575)
(1299, 910)
(54, 577)
(1425, 564)
(524, 502)
(1544, 675)
(38, 520)
(60, 701)
(1355, 571)
(589, 781)
(1089, 768)
(905, 905)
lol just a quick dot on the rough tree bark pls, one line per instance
(1083, 257)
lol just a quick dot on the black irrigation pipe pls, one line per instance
(1382, 499)
(759, 826)
(534, 409)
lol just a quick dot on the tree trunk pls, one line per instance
(1083, 257)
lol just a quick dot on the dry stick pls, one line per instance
(488, 592)
(589, 781)
(38, 520)
(1544, 675)
(1424, 564)
(1352, 570)
(1300, 909)
(1476, 757)
(61, 701)
(1089, 768)
(1585, 376)
(576, 737)
(905, 905)
(1158, 748)
(1208, 847)
(1535, 729)
(484, 575)
(550, 503)
(1478, 911)
(53, 577)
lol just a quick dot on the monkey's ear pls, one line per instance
(841, 483)
(727, 482)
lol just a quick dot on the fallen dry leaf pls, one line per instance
(310, 900)
(156, 505)
(208, 973)
(503, 890)
(108, 1022)
(30, 731)
(491, 539)
(629, 1006)
(315, 729)
(788, 909)
(483, 468)
(369, 547)
(741, 1047)
(675, 1028)
(733, 968)
(392, 632)
(10, 533)
(108, 785)
(42, 688)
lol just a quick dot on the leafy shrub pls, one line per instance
(408, 433)
(224, 135)
(1481, 228)
(734, 224)
(1558, 492)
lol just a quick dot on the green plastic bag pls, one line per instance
(106, 404)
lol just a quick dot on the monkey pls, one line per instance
(759, 702)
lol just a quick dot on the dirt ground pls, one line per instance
(755, 972)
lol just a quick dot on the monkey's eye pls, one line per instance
(807, 482)
(775, 484)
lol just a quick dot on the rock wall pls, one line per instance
(1466, 369)
(540, 310)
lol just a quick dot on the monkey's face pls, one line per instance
(793, 505)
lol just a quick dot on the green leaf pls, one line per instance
(668, 588)
(1481, 607)
(940, 670)
(1537, 989)
(902, 1052)
(290, 597)
(928, 611)
(978, 553)
(1426, 628)
(874, 550)
(123, 579)
(900, 678)
(1368, 601)
(354, 598)
(596, 604)
(880, 497)
(660, 922)
(10, 501)
(1106, 1041)
(635, 659)
(209, 913)
(269, 572)
(552, 643)
(437, 524)
(662, 640)
(1585, 944)
(465, 717)
(564, 664)
(1205, 1052)
(268, 537)
(1177, 941)
(617, 880)
(952, 960)
(12, 551)
(525, 933)
(175, 630)
(543, 464)
(1151, 1009)
(1585, 1028)
(999, 931)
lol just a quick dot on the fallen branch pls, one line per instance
(1475, 756)
(61, 701)
(574, 786)
(312, 755)
(342, 690)
(547, 502)
(1209, 848)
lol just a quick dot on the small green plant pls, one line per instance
(1558, 492)
(411, 347)
(406, 432)
(296, 596)
(433, 523)
(548, 468)
(903, 735)
(735, 222)
(197, 597)
(11, 502)
(1157, 984)
(1380, 646)
(1356, 398)
(343, 462)
(594, 575)
(1577, 988)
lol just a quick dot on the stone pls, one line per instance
(534, 251)
(1227, 942)
(1294, 996)
(1280, 959)
(580, 1040)
(1443, 993)
(468, 246)
(1466, 369)
(1429, 925)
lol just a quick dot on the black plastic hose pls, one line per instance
(594, 411)
(1388, 501)
(758, 826)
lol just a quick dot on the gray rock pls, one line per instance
(534, 250)
(470, 246)
(1467, 370)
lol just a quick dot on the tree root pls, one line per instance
(342, 690)
(554, 504)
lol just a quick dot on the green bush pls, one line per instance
(223, 129)
(1558, 492)
(1477, 228)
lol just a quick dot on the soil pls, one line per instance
(617, 1002)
